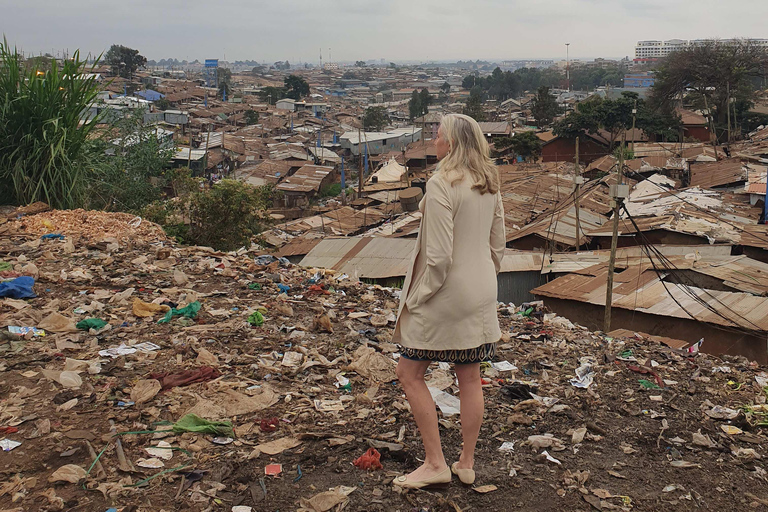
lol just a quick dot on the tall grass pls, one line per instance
(45, 151)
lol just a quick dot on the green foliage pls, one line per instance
(224, 217)
(332, 190)
(375, 118)
(419, 103)
(525, 144)
(502, 85)
(545, 107)
(615, 116)
(124, 61)
(296, 87)
(628, 153)
(45, 153)
(272, 94)
(446, 87)
(474, 106)
(163, 104)
(225, 89)
(251, 116)
(584, 78)
(707, 72)
(360, 64)
(134, 173)
(282, 65)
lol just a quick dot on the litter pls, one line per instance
(507, 447)
(194, 423)
(273, 469)
(504, 366)
(91, 323)
(369, 460)
(584, 376)
(8, 444)
(449, 405)
(23, 331)
(19, 288)
(550, 458)
(189, 311)
(124, 350)
(256, 319)
(186, 377)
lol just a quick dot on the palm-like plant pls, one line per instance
(46, 153)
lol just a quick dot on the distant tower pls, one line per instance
(321, 58)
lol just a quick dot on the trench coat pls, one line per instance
(448, 300)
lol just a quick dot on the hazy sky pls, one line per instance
(295, 30)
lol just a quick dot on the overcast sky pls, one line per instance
(400, 30)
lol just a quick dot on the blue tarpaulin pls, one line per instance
(150, 95)
(19, 288)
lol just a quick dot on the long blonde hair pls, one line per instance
(468, 153)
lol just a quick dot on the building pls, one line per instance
(641, 80)
(379, 142)
(305, 183)
(561, 149)
(651, 51)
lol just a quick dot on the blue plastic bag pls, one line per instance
(19, 288)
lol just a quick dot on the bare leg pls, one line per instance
(411, 375)
(472, 408)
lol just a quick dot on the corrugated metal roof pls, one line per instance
(712, 174)
(651, 295)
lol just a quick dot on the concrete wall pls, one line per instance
(717, 340)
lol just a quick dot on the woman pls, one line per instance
(448, 303)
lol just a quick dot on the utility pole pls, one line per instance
(567, 67)
(576, 193)
(360, 157)
(728, 109)
(711, 123)
(634, 118)
(618, 193)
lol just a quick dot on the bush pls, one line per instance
(224, 217)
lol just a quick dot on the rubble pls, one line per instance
(209, 403)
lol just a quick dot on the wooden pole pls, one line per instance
(576, 194)
(728, 109)
(614, 242)
(713, 133)
(360, 157)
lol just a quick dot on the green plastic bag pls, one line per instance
(91, 323)
(648, 384)
(194, 423)
(256, 319)
(189, 311)
(4, 265)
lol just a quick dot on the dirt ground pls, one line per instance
(622, 443)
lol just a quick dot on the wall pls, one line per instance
(700, 133)
(564, 150)
(716, 340)
(516, 287)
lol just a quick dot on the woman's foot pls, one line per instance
(466, 475)
(426, 475)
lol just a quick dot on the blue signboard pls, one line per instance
(211, 63)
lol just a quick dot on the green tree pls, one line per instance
(271, 94)
(545, 107)
(446, 87)
(360, 64)
(414, 105)
(296, 87)
(525, 144)
(46, 153)
(426, 100)
(709, 73)
(474, 106)
(375, 118)
(251, 116)
(124, 61)
(225, 89)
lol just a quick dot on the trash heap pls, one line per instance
(140, 375)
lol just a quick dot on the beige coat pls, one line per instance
(449, 296)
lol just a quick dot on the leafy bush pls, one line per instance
(224, 217)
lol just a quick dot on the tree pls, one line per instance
(296, 87)
(124, 61)
(360, 64)
(414, 105)
(224, 89)
(525, 144)
(615, 116)
(46, 153)
(446, 87)
(251, 117)
(271, 94)
(707, 74)
(469, 81)
(474, 107)
(375, 118)
(545, 107)
(426, 101)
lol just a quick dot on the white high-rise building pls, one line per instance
(646, 51)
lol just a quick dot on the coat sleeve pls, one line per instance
(498, 236)
(437, 224)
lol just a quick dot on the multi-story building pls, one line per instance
(649, 51)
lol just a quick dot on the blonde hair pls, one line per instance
(468, 154)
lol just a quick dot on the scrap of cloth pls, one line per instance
(19, 288)
(171, 380)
